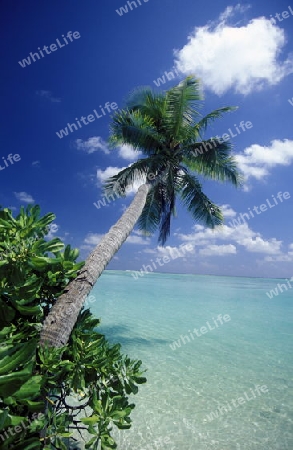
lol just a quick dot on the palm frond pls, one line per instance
(180, 108)
(135, 129)
(167, 211)
(118, 184)
(211, 117)
(150, 217)
(191, 134)
(197, 203)
(150, 170)
(149, 103)
(159, 208)
(167, 127)
(213, 159)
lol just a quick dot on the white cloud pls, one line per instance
(48, 96)
(103, 175)
(243, 58)
(172, 252)
(282, 257)
(176, 252)
(231, 11)
(137, 237)
(218, 250)
(150, 251)
(279, 258)
(242, 235)
(128, 152)
(228, 211)
(256, 160)
(137, 240)
(24, 197)
(97, 143)
(91, 240)
(259, 245)
(92, 145)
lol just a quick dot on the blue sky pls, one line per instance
(243, 58)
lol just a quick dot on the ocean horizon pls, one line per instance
(198, 275)
(217, 352)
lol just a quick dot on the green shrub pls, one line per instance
(38, 385)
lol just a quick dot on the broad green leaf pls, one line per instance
(90, 443)
(55, 245)
(3, 418)
(30, 389)
(4, 224)
(16, 420)
(29, 310)
(20, 357)
(41, 262)
(66, 435)
(90, 420)
(11, 382)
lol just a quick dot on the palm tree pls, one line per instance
(168, 129)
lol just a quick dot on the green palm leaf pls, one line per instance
(149, 103)
(197, 203)
(148, 169)
(167, 128)
(150, 217)
(213, 159)
(135, 129)
(168, 211)
(180, 108)
(211, 117)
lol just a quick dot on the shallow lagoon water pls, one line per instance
(207, 373)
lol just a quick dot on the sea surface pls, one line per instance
(227, 388)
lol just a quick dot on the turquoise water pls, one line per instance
(247, 357)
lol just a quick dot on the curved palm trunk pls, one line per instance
(60, 321)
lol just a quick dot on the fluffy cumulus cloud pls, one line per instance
(93, 144)
(127, 152)
(218, 250)
(172, 252)
(103, 175)
(281, 257)
(91, 240)
(241, 235)
(228, 211)
(256, 160)
(24, 197)
(136, 237)
(97, 143)
(137, 240)
(243, 58)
